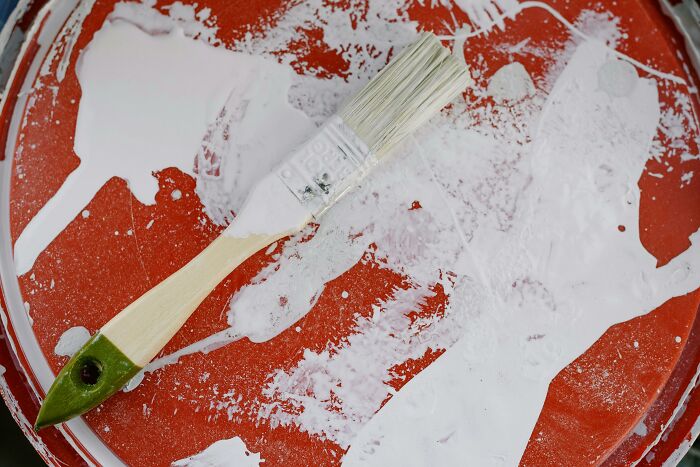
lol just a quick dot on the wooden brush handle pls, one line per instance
(143, 328)
(132, 338)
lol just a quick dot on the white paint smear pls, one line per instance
(225, 453)
(71, 341)
(571, 275)
(144, 109)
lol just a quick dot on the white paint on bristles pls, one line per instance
(521, 203)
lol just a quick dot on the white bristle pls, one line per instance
(412, 88)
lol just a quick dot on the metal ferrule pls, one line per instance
(326, 166)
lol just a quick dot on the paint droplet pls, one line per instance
(621, 228)
(176, 194)
(636, 344)
(345, 294)
(86, 214)
(678, 339)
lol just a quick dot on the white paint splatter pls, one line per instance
(71, 341)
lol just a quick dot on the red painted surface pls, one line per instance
(591, 407)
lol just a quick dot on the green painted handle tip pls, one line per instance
(93, 374)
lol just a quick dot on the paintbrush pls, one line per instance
(404, 95)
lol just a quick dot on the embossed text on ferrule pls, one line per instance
(326, 166)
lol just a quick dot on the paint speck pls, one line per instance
(85, 213)
(130, 232)
(106, 429)
(579, 370)
(297, 329)
(176, 195)
(345, 294)
(621, 228)
(686, 178)
(636, 344)
(678, 339)
(150, 224)
(116, 232)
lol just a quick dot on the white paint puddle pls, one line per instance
(147, 102)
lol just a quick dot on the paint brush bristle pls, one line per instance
(412, 88)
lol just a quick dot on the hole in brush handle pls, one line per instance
(89, 371)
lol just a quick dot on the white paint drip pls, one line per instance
(71, 341)
(225, 453)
